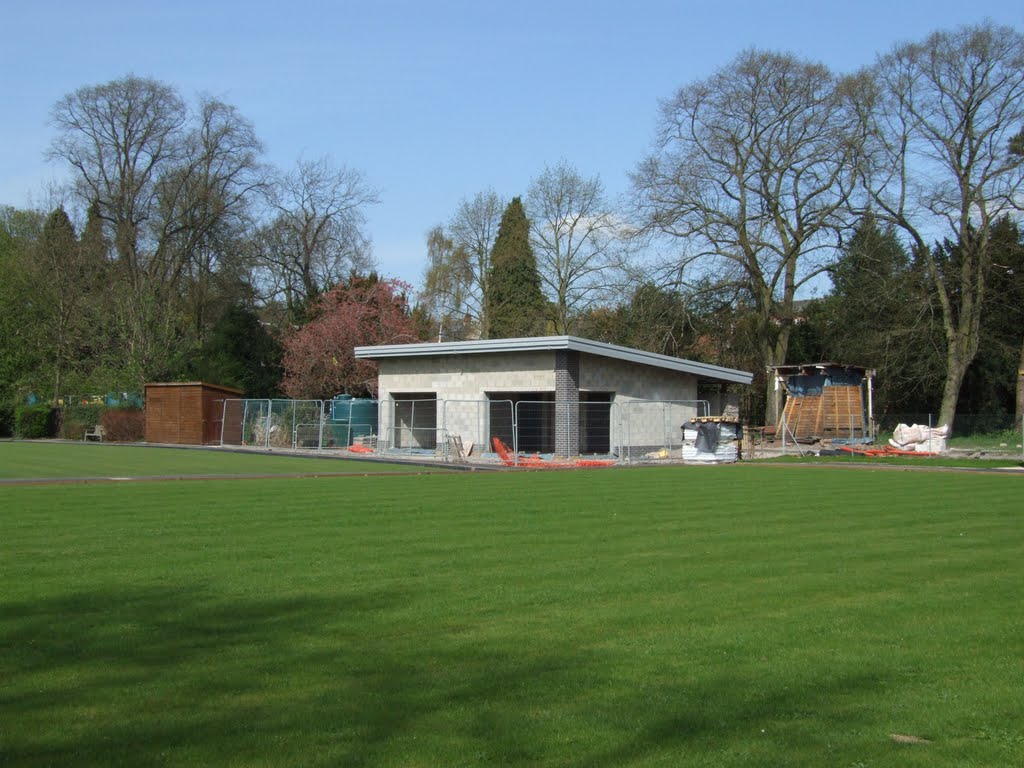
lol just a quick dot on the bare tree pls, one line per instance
(206, 210)
(122, 138)
(941, 116)
(317, 236)
(459, 262)
(575, 240)
(168, 183)
(751, 173)
(447, 286)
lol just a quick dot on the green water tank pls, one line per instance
(352, 417)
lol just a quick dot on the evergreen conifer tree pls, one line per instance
(242, 353)
(879, 316)
(515, 302)
(57, 289)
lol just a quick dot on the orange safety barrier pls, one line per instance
(360, 449)
(886, 450)
(536, 461)
(503, 453)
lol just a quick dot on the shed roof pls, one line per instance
(204, 384)
(543, 343)
(811, 369)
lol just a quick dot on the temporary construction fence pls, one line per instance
(652, 430)
(291, 424)
(628, 431)
(634, 430)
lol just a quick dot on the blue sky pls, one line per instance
(432, 101)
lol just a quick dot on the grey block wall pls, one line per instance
(463, 380)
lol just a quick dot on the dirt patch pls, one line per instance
(905, 738)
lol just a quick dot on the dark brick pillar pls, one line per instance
(567, 403)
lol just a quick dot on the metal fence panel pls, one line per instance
(273, 423)
(476, 422)
(501, 423)
(256, 425)
(534, 427)
(412, 425)
(586, 429)
(595, 429)
(653, 429)
(284, 418)
(466, 420)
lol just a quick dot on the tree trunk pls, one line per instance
(958, 358)
(56, 385)
(771, 403)
(1020, 386)
(774, 353)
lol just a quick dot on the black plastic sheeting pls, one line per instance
(707, 437)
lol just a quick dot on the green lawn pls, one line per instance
(94, 460)
(918, 462)
(670, 616)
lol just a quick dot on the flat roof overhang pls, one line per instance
(554, 343)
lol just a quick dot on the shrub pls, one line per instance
(123, 425)
(34, 421)
(77, 419)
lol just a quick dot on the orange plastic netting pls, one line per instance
(505, 454)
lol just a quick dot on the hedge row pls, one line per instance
(33, 422)
(6, 420)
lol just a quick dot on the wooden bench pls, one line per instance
(96, 433)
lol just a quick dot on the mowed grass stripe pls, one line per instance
(23, 460)
(732, 616)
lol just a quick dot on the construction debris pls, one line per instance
(710, 440)
(537, 462)
(920, 439)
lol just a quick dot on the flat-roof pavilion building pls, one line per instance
(565, 371)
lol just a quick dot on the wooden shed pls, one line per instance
(826, 400)
(186, 413)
